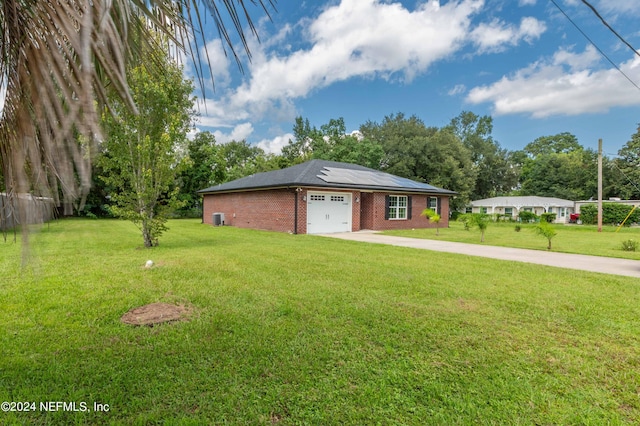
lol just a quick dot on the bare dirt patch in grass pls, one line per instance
(156, 313)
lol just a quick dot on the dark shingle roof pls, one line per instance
(327, 174)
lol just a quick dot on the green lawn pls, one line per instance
(581, 239)
(309, 330)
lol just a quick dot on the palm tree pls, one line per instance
(546, 230)
(481, 220)
(433, 217)
(57, 59)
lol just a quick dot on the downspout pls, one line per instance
(295, 212)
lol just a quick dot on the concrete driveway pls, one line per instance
(605, 265)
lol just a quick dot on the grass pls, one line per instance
(309, 330)
(580, 239)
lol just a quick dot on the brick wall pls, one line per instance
(273, 210)
(374, 209)
(269, 210)
(367, 210)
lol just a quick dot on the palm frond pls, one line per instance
(57, 59)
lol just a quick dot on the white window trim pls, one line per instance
(398, 207)
(435, 209)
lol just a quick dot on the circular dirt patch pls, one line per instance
(155, 313)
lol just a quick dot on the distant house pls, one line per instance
(512, 206)
(324, 197)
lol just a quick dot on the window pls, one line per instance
(337, 198)
(508, 211)
(317, 197)
(397, 206)
(432, 203)
(483, 210)
(468, 210)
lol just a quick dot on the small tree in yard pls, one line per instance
(546, 230)
(433, 217)
(480, 220)
(139, 155)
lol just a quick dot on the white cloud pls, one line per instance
(496, 35)
(218, 113)
(527, 2)
(363, 38)
(356, 38)
(457, 90)
(275, 145)
(561, 86)
(618, 6)
(219, 61)
(577, 61)
(240, 132)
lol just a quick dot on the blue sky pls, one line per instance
(520, 61)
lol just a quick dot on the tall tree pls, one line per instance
(59, 60)
(562, 143)
(402, 140)
(243, 159)
(558, 166)
(334, 144)
(140, 157)
(300, 148)
(202, 166)
(496, 175)
(425, 154)
(628, 165)
(331, 142)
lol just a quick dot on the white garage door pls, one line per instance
(328, 212)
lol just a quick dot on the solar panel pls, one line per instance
(368, 178)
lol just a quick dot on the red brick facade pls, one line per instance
(275, 210)
(374, 206)
(269, 210)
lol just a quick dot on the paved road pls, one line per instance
(606, 265)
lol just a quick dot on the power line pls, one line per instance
(610, 27)
(625, 175)
(595, 45)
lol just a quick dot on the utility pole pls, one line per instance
(599, 185)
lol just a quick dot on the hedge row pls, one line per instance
(612, 214)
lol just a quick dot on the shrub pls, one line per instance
(547, 217)
(629, 245)
(518, 228)
(527, 216)
(612, 214)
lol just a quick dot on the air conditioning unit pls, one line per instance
(218, 219)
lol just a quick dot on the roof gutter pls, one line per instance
(445, 192)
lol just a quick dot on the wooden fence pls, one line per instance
(24, 209)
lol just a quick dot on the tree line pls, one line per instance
(148, 170)
(461, 156)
